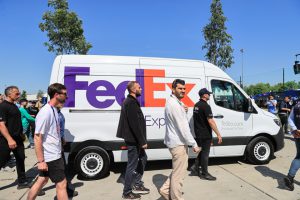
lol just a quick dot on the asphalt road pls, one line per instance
(235, 180)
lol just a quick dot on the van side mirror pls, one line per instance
(250, 106)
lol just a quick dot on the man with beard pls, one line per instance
(48, 145)
(11, 134)
(132, 128)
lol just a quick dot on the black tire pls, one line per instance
(92, 163)
(260, 150)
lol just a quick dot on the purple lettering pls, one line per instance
(72, 85)
(120, 92)
(92, 93)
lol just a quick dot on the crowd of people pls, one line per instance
(44, 129)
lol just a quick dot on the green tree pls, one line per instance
(64, 30)
(258, 88)
(23, 95)
(219, 51)
(291, 85)
(40, 94)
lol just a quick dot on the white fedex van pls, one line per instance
(96, 87)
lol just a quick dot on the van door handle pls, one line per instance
(218, 116)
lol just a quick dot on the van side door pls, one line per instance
(230, 109)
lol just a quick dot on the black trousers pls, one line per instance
(19, 154)
(202, 158)
(284, 122)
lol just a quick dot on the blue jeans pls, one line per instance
(137, 159)
(27, 132)
(296, 162)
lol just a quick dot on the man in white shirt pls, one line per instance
(48, 145)
(178, 137)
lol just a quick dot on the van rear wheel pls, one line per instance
(92, 163)
(260, 150)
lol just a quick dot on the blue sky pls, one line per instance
(267, 30)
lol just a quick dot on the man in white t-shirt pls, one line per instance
(47, 141)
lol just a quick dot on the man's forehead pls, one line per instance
(180, 85)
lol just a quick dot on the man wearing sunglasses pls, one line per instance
(11, 134)
(48, 148)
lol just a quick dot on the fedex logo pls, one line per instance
(111, 94)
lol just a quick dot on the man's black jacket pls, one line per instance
(132, 125)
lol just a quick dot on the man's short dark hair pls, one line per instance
(177, 81)
(23, 100)
(130, 85)
(8, 90)
(55, 88)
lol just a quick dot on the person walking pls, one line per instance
(132, 128)
(178, 137)
(33, 111)
(48, 145)
(271, 104)
(61, 118)
(11, 134)
(203, 126)
(294, 122)
(283, 113)
(26, 120)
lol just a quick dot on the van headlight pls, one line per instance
(277, 121)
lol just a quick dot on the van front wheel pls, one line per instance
(260, 150)
(92, 163)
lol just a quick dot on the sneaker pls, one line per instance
(23, 185)
(41, 193)
(289, 182)
(207, 176)
(71, 193)
(131, 196)
(140, 190)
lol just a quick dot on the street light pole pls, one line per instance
(242, 81)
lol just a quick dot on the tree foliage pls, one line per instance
(260, 88)
(64, 30)
(23, 94)
(40, 94)
(219, 51)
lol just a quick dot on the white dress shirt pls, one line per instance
(177, 126)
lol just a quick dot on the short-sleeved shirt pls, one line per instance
(47, 124)
(201, 113)
(271, 107)
(283, 104)
(11, 116)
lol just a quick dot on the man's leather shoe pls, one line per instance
(207, 176)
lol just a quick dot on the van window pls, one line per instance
(228, 96)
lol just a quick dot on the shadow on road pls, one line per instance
(267, 172)
(158, 180)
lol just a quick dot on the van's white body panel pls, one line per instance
(96, 84)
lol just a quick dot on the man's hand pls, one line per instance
(63, 141)
(186, 108)
(220, 139)
(296, 134)
(12, 144)
(145, 146)
(42, 166)
(196, 149)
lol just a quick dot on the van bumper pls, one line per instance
(279, 140)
